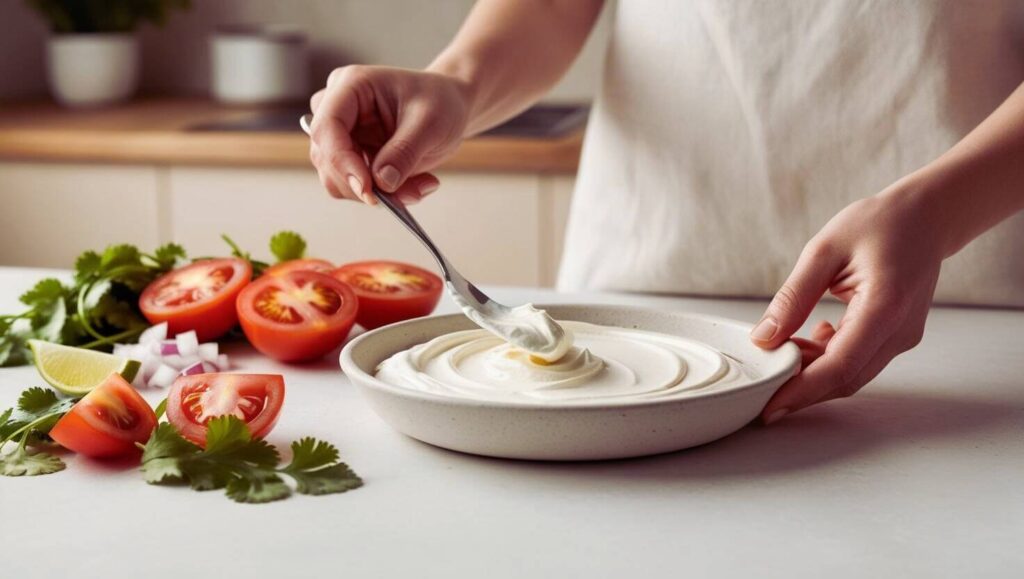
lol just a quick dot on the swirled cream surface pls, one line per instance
(604, 364)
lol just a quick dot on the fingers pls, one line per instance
(417, 187)
(338, 159)
(400, 155)
(823, 332)
(811, 277)
(850, 357)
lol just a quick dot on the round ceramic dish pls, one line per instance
(592, 431)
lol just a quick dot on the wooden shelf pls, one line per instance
(154, 131)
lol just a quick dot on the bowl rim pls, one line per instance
(370, 381)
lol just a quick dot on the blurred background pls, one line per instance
(145, 121)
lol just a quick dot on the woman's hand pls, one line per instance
(880, 255)
(386, 124)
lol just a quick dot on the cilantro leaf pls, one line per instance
(43, 294)
(38, 409)
(35, 405)
(167, 255)
(261, 489)
(336, 478)
(21, 462)
(287, 245)
(119, 255)
(246, 467)
(50, 325)
(87, 266)
(163, 454)
(38, 401)
(316, 469)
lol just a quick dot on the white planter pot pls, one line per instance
(259, 65)
(92, 69)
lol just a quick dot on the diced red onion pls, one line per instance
(197, 368)
(163, 377)
(188, 343)
(162, 359)
(208, 352)
(155, 333)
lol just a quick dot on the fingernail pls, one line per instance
(408, 198)
(776, 416)
(356, 185)
(765, 330)
(390, 176)
(428, 188)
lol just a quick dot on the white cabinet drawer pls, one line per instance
(49, 213)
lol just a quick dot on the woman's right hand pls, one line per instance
(387, 124)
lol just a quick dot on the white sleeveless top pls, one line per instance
(728, 132)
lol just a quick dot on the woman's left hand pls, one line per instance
(880, 255)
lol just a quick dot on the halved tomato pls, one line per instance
(317, 265)
(107, 422)
(254, 398)
(200, 296)
(390, 291)
(297, 316)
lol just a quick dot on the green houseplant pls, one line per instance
(92, 53)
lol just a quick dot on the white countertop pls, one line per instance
(920, 475)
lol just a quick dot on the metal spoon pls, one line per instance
(489, 313)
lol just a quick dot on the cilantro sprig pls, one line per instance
(246, 467)
(98, 308)
(27, 424)
(285, 245)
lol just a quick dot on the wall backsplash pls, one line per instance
(175, 58)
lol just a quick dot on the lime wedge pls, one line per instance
(75, 371)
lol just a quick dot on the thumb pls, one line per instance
(792, 304)
(397, 160)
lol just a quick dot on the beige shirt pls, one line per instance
(728, 132)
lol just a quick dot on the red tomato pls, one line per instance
(317, 265)
(390, 291)
(199, 297)
(195, 399)
(107, 422)
(297, 316)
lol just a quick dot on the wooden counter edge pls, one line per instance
(249, 149)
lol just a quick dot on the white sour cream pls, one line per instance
(525, 326)
(605, 364)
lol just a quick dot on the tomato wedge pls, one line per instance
(317, 265)
(194, 400)
(300, 315)
(107, 422)
(200, 296)
(390, 291)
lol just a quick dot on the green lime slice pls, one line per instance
(75, 371)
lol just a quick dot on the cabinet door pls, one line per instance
(487, 224)
(51, 212)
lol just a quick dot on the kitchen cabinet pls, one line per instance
(499, 228)
(49, 213)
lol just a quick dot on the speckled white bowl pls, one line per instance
(579, 432)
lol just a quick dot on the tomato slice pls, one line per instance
(107, 422)
(390, 291)
(317, 265)
(200, 296)
(300, 315)
(195, 400)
